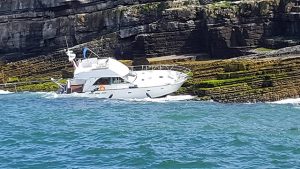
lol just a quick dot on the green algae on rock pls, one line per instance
(262, 80)
(229, 80)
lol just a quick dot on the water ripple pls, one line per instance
(42, 130)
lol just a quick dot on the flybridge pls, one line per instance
(87, 67)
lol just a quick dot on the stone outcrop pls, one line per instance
(245, 80)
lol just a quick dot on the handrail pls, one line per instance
(160, 67)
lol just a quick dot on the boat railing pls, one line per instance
(160, 67)
(96, 65)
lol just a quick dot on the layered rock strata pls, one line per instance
(245, 80)
(121, 28)
(128, 29)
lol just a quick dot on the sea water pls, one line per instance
(45, 130)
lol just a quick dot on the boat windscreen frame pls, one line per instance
(110, 81)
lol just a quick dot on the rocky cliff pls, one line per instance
(128, 29)
(123, 28)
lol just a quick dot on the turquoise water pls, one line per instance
(45, 131)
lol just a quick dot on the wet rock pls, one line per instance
(140, 61)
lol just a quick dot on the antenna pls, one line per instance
(70, 54)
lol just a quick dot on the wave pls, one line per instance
(53, 95)
(165, 99)
(5, 92)
(288, 101)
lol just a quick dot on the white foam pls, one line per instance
(53, 95)
(288, 101)
(5, 92)
(166, 99)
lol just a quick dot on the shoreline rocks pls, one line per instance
(237, 80)
(245, 80)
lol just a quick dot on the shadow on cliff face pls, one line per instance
(163, 43)
(197, 41)
(234, 28)
(286, 26)
(213, 39)
(226, 43)
(237, 38)
(177, 31)
(205, 2)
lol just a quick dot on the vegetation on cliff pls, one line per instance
(244, 80)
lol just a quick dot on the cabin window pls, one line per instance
(103, 81)
(161, 77)
(117, 80)
(110, 80)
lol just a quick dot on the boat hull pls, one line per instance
(139, 93)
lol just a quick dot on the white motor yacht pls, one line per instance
(109, 78)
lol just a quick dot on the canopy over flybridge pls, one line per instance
(89, 67)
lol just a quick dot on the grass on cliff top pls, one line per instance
(223, 82)
(13, 80)
(46, 87)
(264, 49)
(220, 5)
(226, 87)
(126, 62)
(146, 9)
